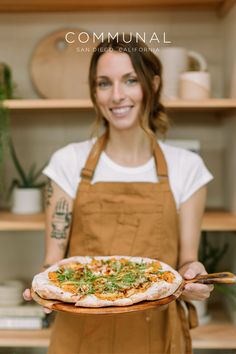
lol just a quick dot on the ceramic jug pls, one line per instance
(175, 60)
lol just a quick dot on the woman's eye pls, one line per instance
(103, 84)
(132, 81)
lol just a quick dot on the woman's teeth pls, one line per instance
(121, 110)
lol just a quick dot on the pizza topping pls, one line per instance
(109, 279)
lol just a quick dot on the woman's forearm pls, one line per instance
(190, 217)
(58, 217)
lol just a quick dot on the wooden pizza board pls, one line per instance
(57, 305)
(60, 69)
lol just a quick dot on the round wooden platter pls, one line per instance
(57, 305)
(58, 68)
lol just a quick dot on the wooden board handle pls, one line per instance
(214, 278)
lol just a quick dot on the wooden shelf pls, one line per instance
(14, 222)
(212, 221)
(219, 221)
(24, 338)
(48, 104)
(214, 336)
(214, 104)
(219, 334)
(221, 7)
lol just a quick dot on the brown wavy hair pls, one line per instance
(146, 65)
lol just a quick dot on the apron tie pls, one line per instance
(187, 323)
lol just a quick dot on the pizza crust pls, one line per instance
(45, 288)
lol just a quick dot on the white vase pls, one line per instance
(175, 60)
(26, 201)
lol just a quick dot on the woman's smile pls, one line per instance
(121, 111)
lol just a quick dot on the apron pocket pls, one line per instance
(98, 229)
(123, 239)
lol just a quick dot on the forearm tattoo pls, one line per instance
(61, 219)
(49, 192)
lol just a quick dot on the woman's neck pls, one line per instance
(129, 148)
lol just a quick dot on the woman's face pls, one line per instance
(118, 92)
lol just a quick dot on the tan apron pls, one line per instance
(119, 218)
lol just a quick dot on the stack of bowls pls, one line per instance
(11, 292)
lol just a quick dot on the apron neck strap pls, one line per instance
(161, 166)
(92, 160)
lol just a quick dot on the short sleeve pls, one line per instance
(62, 169)
(193, 175)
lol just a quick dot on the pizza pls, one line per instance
(106, 281)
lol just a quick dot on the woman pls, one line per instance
(130, 195)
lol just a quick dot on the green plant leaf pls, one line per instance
(228, 290)
(210, 255)
(18, 165)
(39, 172)
(26, 180)
(4, 138)
(31, 173)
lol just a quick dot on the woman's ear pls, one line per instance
(156, 82)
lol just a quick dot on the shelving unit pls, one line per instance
(213, 104)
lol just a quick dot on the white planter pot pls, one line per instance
(27, 201)
(11, 293)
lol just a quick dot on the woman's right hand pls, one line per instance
(27, 297)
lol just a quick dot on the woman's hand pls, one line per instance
(27, 297)
(193, 291)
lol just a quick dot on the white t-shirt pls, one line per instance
(187, 171)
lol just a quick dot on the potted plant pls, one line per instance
(26, 190)
(210, 255)
(6, 92)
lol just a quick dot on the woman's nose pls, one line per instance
(118, 93)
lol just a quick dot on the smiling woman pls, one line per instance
(129, 195)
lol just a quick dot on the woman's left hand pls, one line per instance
(194, 291)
